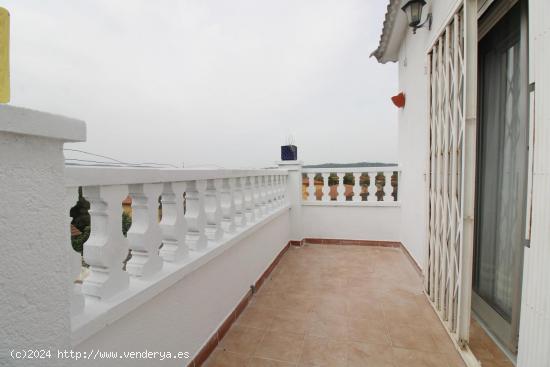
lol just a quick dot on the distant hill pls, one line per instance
(358, 164)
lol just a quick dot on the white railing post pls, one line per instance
(357, 186)
(173, 224)
(196, 217)
(292, 196)
(249, 200)
(240, 216)
(326, 187)
(373, 189)
(311, 187)
(341, 188)
(106, 248)
(144, 235)
(213, 210)
(35, 294)
(388, 188)
(228, 205)
(77, 298)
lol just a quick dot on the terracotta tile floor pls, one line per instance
(337, 306)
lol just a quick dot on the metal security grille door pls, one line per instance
(450, 185)
(446, 96)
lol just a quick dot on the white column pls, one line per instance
(77, 298)
(311, 187)
(173, 225)
(326, 187)
(292, 184)
(35, 294)
(341, 188)
(106, 248)
(144, 235)
(388, 188)
(372, 187)
(228, 205)
(238, 194)
(249, 200)
(213, 210)
(196, 217)
(357, 186)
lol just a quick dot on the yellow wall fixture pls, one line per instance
(4, 56)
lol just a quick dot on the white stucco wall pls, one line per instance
(34, 236)
(352, 222)
(413, 130)
(183, 317)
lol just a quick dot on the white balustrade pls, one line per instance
(77, 298)
(372, 199)
(357, 186)
(196, 216)
(144, 235)
(228, 205)
(388, 188)
(106, 247)
(213, 210)
(311, 187)
(373, 189)
(341, 187)
(173, 224)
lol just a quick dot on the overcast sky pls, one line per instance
(210, 82)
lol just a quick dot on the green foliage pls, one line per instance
(78, 241)
(126, 223)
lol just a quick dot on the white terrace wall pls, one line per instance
(34, 308)
(184, 316)
(413, 130)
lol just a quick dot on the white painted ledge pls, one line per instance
(18, 120)
(92, 176)
(352, 203)
(98, 314)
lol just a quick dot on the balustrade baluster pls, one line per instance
(173, 225)
(269, 193)
(373, 189)
(213, 229)
(388, 189)
(258, 209)
(357, 186)
(341, 189)
(249, 200)
(77, 298)
(195, 214)
(238, 194)
(228, 205)
(144, 235)
(106, 247)
(311, 187)
(326, 188)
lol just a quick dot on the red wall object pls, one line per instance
(399, 100)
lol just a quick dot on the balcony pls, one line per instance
(283, 266)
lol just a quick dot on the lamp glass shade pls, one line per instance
(413, 9)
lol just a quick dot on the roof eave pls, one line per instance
(393, 32)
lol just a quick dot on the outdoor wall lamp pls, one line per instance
(413, 9)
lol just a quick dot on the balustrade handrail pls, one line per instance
(96, 176)
(350, 169)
